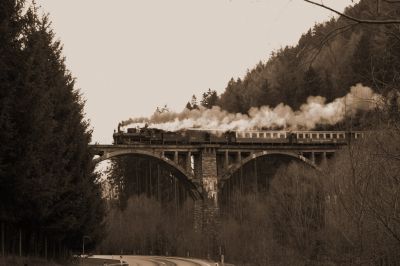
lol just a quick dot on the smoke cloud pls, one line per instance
(312, 113)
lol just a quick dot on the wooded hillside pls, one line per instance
(328, 59)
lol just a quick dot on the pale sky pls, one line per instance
(131, 56)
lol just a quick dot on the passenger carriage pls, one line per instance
(262, 136)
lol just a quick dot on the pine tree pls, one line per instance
(312, 84)
(11, 24)
(188, 106)
(362, 61)
(46, 173)
(70, 182)
(231, 99)
(210, 99)
(194, 102)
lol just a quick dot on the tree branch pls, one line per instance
(361, 21)
(392, 1)
(329, 37)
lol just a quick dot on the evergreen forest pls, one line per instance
(50, 198)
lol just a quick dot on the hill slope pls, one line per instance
(328, 59)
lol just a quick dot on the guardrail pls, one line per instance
(100, 262)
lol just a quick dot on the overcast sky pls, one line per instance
(131, 56)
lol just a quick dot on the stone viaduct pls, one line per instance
(206, 167)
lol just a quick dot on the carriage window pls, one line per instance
(282, 136)
(268, 135)
(300, 136)
(247, 135)
(262, 135)
(327, 136)
(341, 136)
(254, 135)
(306, 136)
(321, 136)
(275, 135)
(334, 135)
(314, 136)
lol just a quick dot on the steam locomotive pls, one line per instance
(147, 135)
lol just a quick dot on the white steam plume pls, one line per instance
(314, 112)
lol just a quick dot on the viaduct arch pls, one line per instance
(236, 167)
(182, 175)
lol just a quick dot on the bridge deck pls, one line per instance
(223, 147)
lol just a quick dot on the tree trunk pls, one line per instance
(45, 247)
(20, 242)
(2, 239)
(54, 249)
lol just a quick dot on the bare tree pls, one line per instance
(350, 22)
(363, 193)
(296, 208)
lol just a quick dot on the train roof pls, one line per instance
(217, 130)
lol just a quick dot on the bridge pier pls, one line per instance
(207, 210)
(324, 159)
(239, 157)
(209, 178)
(189, 162)
(226, 161)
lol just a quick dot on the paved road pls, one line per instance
(159, 261)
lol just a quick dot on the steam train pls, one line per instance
(147, 135)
